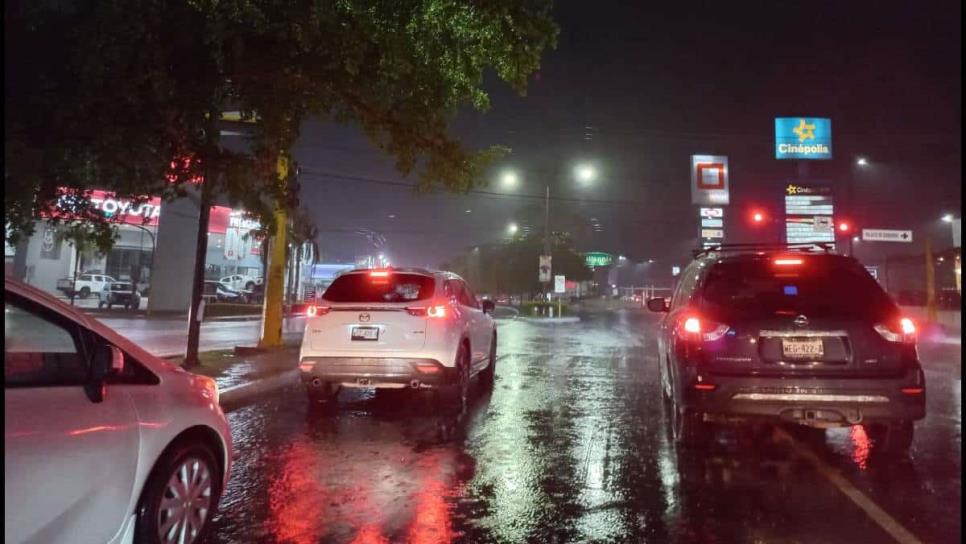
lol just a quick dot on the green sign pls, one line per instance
(598, 258)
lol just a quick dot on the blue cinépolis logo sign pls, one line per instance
(808, 138)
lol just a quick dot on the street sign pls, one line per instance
(712, 233)
(559, 284)
(886, 235)
(594, 259)
(808, 213)
(709, 180)
(712, 223)
(544, 273)
(874, 271)
(675, 270)
(808, 138)
(711, 212)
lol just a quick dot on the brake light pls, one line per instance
(379, 274)
(313, 311)
(437, 311)
(428, 368)
(707, 331)
(912, 390)
(788, 262)
(903, 330)
(705, 386)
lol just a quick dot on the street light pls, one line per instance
(861, 161)
(509, 179)
(512, 228)
(585, 173)
(948, 218)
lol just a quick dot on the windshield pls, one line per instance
(819, 287)
(389, 288)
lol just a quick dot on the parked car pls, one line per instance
(120, 293)
(99, 434)
(397, 328)
(84, 284)
(215, 291)
(787, 336)
(241, 282)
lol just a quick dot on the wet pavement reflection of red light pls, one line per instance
(861, 442)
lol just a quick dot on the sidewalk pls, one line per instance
(239, 377)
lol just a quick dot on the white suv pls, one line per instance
(103, 442)
(240, 282)
(397, 328)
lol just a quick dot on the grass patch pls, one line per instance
(213, 363)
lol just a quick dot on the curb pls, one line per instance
(551, 320)
(234, 397)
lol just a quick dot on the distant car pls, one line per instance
(241, 282)
(120, 293)
(784, 335)
(84, 285)
(215, 291)
(398, 328)
(103, 442)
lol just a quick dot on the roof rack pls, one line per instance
(722, 248)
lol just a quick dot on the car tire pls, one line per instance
(250, 286)
(488, 375)
(85, 292)
(690, 429)
(456, 396)
(326, 393)
(891, 438)
(100, 304)
(109, 305)
(159, 503)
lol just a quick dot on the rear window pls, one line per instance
(391, 288)
(818, 287)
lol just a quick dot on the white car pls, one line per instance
(397, 328)
(84, 285)
(241, 282)
(103, 442)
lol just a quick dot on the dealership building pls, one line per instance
(156, 243)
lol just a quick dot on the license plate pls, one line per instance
(803, 349)
(365, 333)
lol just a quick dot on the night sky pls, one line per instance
(638, 87)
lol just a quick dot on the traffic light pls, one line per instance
(758, 217)
(844, 228)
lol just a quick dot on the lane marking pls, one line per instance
(888, 523)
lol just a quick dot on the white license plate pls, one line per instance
(803, 349)
(365, 333)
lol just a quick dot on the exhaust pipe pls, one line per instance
(316, 382)
(414, 384)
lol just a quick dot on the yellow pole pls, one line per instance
(274, 278)
(931, 314)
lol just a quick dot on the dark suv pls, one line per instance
(787, 335)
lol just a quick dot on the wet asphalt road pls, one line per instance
(572, 446)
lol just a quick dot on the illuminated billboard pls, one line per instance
(809, 213)
(803, 138)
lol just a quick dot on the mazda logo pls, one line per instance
(801, 321)
(364, 317)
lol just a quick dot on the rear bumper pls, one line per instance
(379, 372)
(819, 402)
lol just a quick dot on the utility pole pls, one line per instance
(275, 277)
(196, 311)
(931, 314)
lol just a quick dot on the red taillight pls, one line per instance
(788, 262)
(903, 330)
(912, 390)
(707, 331)
(705, 386)
(437, 311)
(428, 368)
(314, 311)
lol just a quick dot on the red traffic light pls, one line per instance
(844, 227)
(758, 217)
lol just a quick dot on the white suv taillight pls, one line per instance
(903, 330)
(438, 311)
(314, 311)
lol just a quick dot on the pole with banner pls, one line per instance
(559, 287)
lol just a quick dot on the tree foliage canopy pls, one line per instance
(107, 94)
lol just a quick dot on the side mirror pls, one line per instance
(107, 360)
(658, 304)
(488, 306)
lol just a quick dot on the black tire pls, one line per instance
(85, 292)
(455, 397)
(100, 304)
(891, 438)
(150, 509)
(324, 394)
(250, 286)
(488, 374)
(690, 429)
(109, 304)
